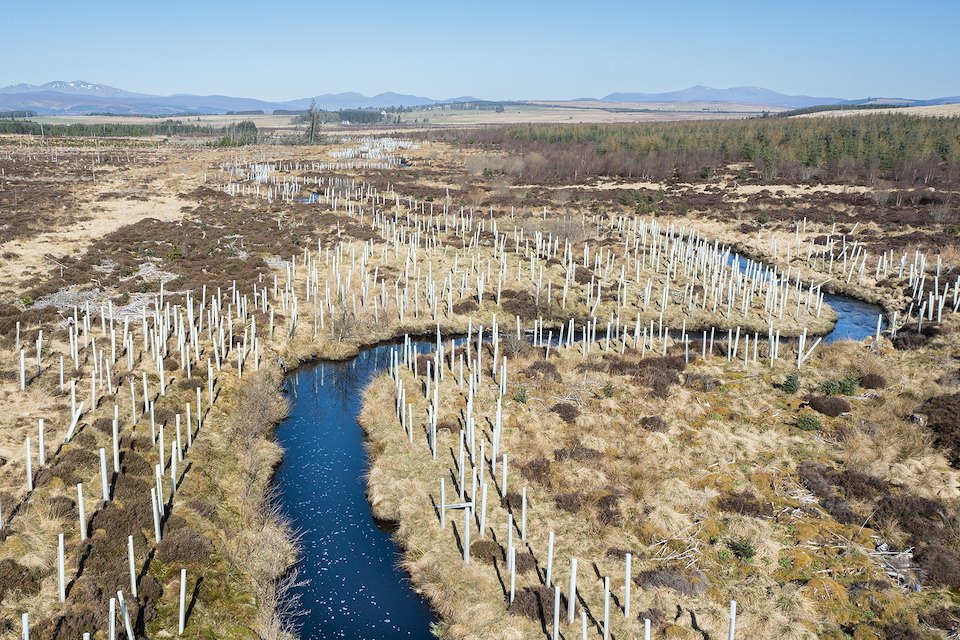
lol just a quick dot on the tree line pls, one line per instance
(108, 129)
(907, 150)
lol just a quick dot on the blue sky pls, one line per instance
(492, 49)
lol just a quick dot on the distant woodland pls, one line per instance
(902, 149)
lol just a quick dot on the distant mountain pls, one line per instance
(350, 100)
(75, 88)
(79, 97)
(743, 95)
(945, 100)
(904, 102)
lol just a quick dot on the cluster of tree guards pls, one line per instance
(907, 150)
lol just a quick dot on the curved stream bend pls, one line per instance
(356, 588)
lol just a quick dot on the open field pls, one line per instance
(937, 110)
(534, 111)
(579, 112)
(166, 277)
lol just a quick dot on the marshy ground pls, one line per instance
(824, 503)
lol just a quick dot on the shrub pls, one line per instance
(543, 370)
(76, 459)
(135, 465)
(520, 304)
(741, 548)
(448, 424)
(525, 562)
(873, 381)
(829, 405)
(829, 387)
(899, 631)
(947, 618)
(654, 423)
(808, 422)
(942, 566)
(191, 384)
(840, 510)
(861, 486)
(466, 306)
(609, 390)
(909, 341)
(943, 418)
(577, 452)
(537, 470)
(922, 518)
(660, 374)
(608, 509)
(813, 476)
(61, 507)
(128, 488)
(744, 504)
(16, 578)
(536, 603)
(583, 275)
(792, 383)
(521, 395)
(185, 546)
(619, 553)
(687, 583)
(513, 501)
(486, 550)
(83, 616)
(571, 502)
(567, 411)
(849, 384)
(514, 345)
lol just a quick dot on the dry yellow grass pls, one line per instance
(738, 437)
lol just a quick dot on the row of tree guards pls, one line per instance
(473, 459)
(218, 329)
(640, 276)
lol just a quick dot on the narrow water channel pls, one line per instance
(356, 588)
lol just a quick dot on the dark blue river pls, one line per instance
(356, 589)
(856, 319)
